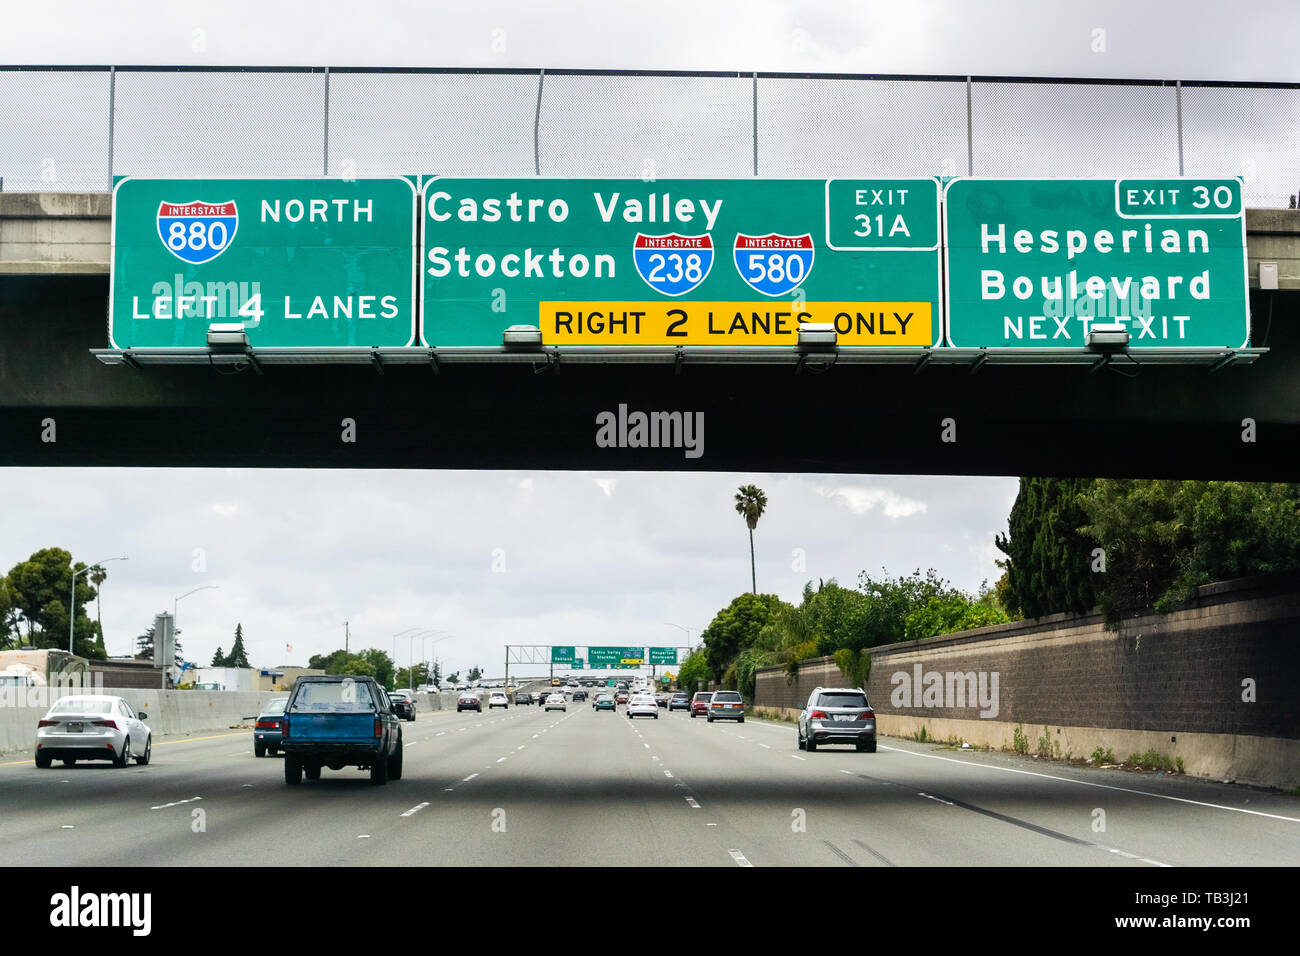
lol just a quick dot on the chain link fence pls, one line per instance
(74, 128)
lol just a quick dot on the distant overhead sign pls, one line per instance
(1034, 263)
(298, 263)
(615, 656)
(663, 655)
(563, 655)
(701, 262)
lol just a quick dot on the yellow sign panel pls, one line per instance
(632, 660)
(732, 323)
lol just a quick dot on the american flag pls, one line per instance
(288, 648)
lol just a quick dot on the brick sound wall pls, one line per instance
(1181, 671)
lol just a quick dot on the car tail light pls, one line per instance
(818, 715)
(104, 723)
(867, 715)
(379, 727)
(47, 723)
(284, 727)
(272, 724)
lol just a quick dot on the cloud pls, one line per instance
(860, 500)
(227, 509)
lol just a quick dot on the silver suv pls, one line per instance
(837, 715)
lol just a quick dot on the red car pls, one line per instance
(700, 704)
(620, 697)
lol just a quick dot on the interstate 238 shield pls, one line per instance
(197, 232)
(774, 264)
(673, 264)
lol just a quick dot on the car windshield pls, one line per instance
(81, 705)
(342, 697)
(842, 700)
(276, 706)
(703, 695)
(729, 697)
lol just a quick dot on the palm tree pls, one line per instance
(751, 503)
(97, 577)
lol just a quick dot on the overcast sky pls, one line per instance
(580, 559)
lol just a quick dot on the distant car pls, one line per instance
(92, 727)
(642, 705)
(621, 697)
(266, 730)
(579, 695)
(726, 705)
(523, 698)
(837, 715)
(700, 703)
(468, 701)
(661, 700)
(403, 704)
(556, 702)
(499, 700)
(679, 701)
(605, 702)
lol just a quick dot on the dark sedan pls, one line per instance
(523, 698)
(403, 704)
(679, 701)
(267, 730)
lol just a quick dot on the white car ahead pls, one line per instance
(498, 700)
(556, 702)
(642, 705)
(92, 727)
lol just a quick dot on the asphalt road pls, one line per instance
(525, 787)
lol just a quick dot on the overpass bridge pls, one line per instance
(60, 405)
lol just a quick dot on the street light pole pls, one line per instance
(176, 601)
(72, 602)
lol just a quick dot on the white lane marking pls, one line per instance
(416, 809)
(741, 736)
(668, 773)
(930, 796)
(363, 836)
(534, 736)
(406, 744)
(739, 858)
(469, 778)
(693, 804)
(646, 746)
(710, 824)
(175, 803)
(67, 826)
(797, 757)
(653, 757)
(765, 746)
(448, 789)
(849, 772)
(499, 759)
(1102, 786)
(440, 733)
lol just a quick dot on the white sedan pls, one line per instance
(556, 702)
(92, 727)
(642, 705)
(498, 700)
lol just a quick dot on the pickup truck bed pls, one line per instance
(339, 722)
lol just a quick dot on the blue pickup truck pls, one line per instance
(338, 722)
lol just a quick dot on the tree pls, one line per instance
(238, 657)
(1049, 564)
(144, 645)
(370, 662)
(10, 635)
(453, 678)
(474, 674)
(97, 576)
(38, 593)
(694, 672)
(1161, 539)
(750, 504)
(951, 611)
(218, 659)
(735, 628)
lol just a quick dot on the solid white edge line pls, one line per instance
(1102, 786)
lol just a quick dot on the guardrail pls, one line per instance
(73, 128)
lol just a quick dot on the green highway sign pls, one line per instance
(686, 262)
(1033, 263)
(579, 664)
(615, 656)
(663, 655)
(563, 655)
(298, 263)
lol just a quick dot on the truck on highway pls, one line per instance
(335, 721)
